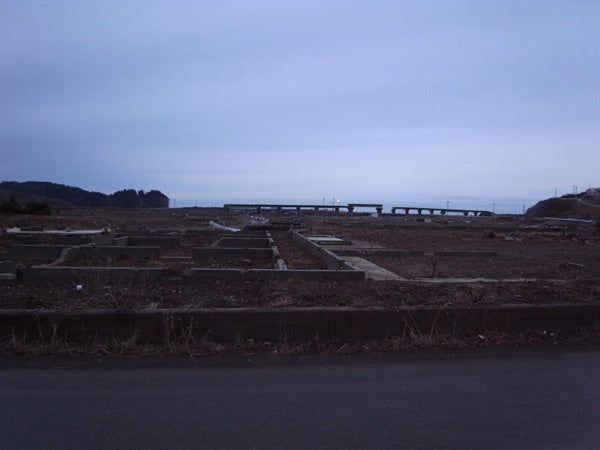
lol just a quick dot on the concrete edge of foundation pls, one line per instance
(290, 324)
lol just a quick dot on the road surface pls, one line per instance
(529, 399)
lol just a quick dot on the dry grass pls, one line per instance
(185, 344)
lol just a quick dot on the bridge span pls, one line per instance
(350, 207)
(441, 211)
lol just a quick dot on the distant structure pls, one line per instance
(593, 192)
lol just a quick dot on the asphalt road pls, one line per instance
(531, 399)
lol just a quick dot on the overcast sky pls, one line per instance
(247, 100)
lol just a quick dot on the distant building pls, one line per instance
(593, 192)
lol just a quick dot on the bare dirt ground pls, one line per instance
(561, 262)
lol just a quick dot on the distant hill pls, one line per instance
(567, 206)
(62, 196)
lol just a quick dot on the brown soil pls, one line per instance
(562, 260)
(295, 256)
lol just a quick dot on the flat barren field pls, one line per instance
(406, 260)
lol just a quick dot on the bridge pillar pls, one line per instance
(279, 208)
(419, 211)
(258, 209)
(350, 210)
(407, 211)
(379, 210)
(297, 210)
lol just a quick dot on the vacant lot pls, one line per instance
(449, 260)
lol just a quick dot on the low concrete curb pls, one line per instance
(258, 242)
(291, 324)
(407, 253)
(275, 274)
(84, 274)
(154, 241)
(22, 251)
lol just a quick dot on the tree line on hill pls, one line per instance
(41, 192)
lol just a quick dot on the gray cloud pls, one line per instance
(215, 100)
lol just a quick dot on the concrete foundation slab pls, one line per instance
(372, 271)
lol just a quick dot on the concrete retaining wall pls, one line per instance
(276, 274)
(68, 240)
(160, 241)
(53, 252)
(216, 274)
(245, 242)
(331, 260)
(245, 235)
(8, 271)
(204, 253)
(481, 253)
(122, 241)
(307, 275)
(406, 253)
(291, 324)
(36, 251)
(121, 252)
(378, 252)
(78, 274)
